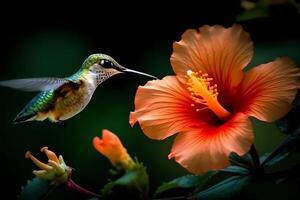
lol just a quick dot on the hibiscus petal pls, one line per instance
(163, 108)
(268, 90)
(220, 52)
(208, 148)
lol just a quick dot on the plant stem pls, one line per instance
(72, 185)
(254, 156)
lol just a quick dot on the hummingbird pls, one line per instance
(62, 98)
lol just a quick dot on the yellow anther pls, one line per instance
(202, 92)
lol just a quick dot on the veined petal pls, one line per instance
(268, 90)
(207, 148)
(220, 52)
(163, 108)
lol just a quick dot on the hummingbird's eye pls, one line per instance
(106, 64)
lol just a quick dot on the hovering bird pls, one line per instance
(62, 98)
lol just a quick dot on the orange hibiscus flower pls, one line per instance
(209, 101)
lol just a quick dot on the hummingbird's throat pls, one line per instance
(204, 93)
(104, 75)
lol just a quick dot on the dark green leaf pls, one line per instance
(137, 179)
(279, 187)
(134, 183)
(187, 181)
(216, 178)
(273, 161)
(290, 144)
(267, 8)
(184, 182)
(36, 189)
(236, 170)
(225, 189)
(106, 191)
(244, 161)
(257, 12)
(286, 166)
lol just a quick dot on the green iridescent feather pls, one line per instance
(92, 59)
(42, 102)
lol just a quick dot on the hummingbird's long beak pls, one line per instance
(137, 72)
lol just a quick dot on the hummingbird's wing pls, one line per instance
(34, 84)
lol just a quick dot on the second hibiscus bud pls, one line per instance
(111, 147)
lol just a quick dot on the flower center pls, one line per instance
(202, 92)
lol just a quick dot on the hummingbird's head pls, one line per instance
(102, 64)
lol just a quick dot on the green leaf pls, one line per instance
(184, 182)
(286, 166)
(190, 186)
(257, 12)
(226, 189)
(36, 189)
(244, 161)
(290, 144)
(236, 170)
(132, 184)
(273, 186)
(137, 179)
(274, 160)
(106, 191)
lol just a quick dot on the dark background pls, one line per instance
(55, 40)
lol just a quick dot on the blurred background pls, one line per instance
(55, 40)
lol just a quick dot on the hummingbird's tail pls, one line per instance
(23, 118)
(36, 109)
(26, 114)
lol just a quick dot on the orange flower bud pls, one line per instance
(111, 147)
